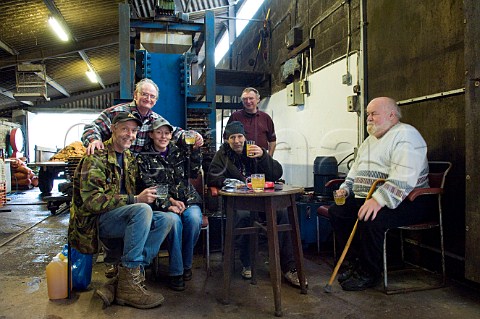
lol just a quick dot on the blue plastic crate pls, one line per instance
(307, 218)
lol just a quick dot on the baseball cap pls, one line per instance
(124, 117)
(161, 122)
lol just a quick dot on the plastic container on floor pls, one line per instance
(57, 278)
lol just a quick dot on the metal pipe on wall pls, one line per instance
(363, 67)
(349, 35)
(320, 20)
(431, 96)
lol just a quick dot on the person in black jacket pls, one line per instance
(165, 162)
(231, 162)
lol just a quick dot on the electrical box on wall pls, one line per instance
(293, 38)
(304, 87)
(352, 103)
(294, 97)
(347, 79)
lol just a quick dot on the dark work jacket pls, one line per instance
(171, 170)
(228, 164)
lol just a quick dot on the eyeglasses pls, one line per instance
(146, 95)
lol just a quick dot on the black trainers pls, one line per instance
(360, 281)
(177, 283)
(187, 274)
(347, 271)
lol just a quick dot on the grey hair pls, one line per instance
(396, 108)
(142, 82)
(250, 89)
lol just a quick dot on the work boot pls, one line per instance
(131, 289)
(107, 292)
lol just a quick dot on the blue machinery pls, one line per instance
(170, 69)
(168, 62)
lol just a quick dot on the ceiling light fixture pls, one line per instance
(57, 28)
(91, 76)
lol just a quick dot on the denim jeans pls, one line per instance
(142, 231)
(182, 239)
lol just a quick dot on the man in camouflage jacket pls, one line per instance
(164, 162)
(104, 205)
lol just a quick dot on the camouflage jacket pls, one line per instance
(171, 169)
(96, 190)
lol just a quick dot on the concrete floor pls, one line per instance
(30, 236)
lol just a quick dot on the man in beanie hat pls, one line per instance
(231, 161)
(105, 206)
(258, 125)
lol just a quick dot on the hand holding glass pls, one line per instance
(339, 197)
(189, 137)
(249, 151)
(162, 191)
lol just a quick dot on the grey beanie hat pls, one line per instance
(234, 127)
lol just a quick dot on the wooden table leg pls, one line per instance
(253, 240)
(274, 255)
(228, 255)
(297, 243)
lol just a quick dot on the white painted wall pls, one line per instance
(55, 130)
(320, 127)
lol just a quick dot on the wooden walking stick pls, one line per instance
(328, 287)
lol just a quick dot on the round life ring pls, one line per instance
(16, 139)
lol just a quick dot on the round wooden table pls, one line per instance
(268, 201)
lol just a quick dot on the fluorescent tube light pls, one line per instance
(58, 29)
(92, 76)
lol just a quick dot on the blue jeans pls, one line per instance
(182, 239)
(142, 231)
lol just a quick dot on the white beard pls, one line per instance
(371, 129)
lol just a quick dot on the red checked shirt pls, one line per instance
(99, 129)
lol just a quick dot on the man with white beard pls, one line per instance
(396, 152)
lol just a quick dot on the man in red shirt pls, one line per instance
(258, 125)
